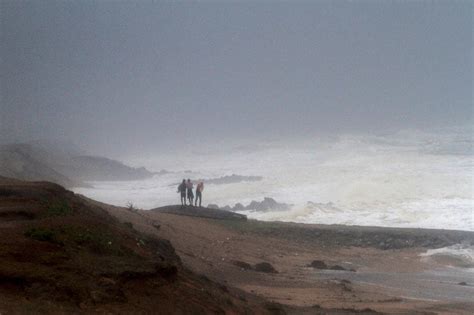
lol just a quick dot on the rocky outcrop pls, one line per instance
(319, 264)
(265, 205)
(259, 267)
(96, 168)
(211, 213)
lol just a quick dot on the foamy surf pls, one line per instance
(409, 179)
(459, 255)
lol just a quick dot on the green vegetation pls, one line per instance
(128, 225)
(41, 234)
(96, 240)
(91, 238)
(58, 208)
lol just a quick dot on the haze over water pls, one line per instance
(363, 108)
(397, 180)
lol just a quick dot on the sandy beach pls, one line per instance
(383, 267)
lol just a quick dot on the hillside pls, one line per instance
(63, 254)
(22, 161)
(65, 167)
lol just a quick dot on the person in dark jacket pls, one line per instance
(182, 191)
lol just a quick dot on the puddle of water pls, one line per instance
(438, 285)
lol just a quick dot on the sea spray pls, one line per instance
(408, 179)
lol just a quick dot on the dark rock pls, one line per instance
(462, 283)
(212, 206)
(318, 264)
(265, 267)
(267, 204)
(226, 208)
(238, 207)
(253, 205)
(336, 267)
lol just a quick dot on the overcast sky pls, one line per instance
(115, 76)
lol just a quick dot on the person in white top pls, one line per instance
(189, 186)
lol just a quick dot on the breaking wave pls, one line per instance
(408, 179)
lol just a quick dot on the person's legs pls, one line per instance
(198, 196)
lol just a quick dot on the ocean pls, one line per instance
(410, 178)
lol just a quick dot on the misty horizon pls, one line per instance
(119, 77)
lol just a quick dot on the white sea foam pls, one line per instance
(460, 255)
(408, 179)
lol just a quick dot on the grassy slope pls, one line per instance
(61, 254)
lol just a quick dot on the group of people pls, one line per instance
(186, 191)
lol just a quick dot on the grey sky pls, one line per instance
(115, 76)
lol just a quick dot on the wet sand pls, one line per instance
(433, 285)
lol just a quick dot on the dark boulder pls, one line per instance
(265, 267)
(267, 204)
(318, 264)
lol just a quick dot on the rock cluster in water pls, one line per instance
(231, 179)
(265, 205)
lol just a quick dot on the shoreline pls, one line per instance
(387, 271)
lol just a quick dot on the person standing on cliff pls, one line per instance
(182, 191)
(199, 189)
(189, 186)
